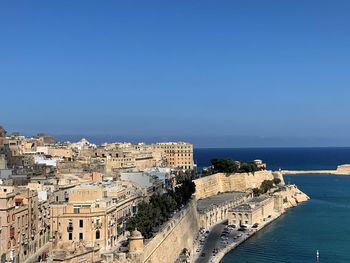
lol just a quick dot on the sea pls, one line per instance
(322, 224)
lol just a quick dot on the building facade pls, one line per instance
(257, 210)
(93, 215)
(178, 154)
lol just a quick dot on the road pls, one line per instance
(211, 242)
(214, 241)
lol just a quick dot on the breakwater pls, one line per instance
(341, 170)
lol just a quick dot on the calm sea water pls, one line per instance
(323, 223)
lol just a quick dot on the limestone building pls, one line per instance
(257, 210)
(178, 154)
(94, 215)
(24, 224)
(2, 140)
(215, 209)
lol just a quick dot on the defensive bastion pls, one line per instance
(236, 182)
(181, 231)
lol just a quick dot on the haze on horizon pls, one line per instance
(227, 73)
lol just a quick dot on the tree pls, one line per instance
(266, 185)
(232, 166)
(160, 208)
(276, 181)
(225, 165)
(256, 191)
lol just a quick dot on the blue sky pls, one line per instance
(257, 69)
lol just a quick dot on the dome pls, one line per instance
(136, 233)
(84, 141)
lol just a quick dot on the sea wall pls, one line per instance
(177, 234)
(341, 170)
(240, 182)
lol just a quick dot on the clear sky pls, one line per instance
(212, 69)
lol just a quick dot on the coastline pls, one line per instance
(291, 195)
(235, 243)
(246, 236)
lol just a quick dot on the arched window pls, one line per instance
(97, 234)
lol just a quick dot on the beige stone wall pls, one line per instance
(61, 152)
(291, 196)
(220, 182)
(178, 234)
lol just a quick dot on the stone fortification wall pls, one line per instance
(177, 234)
(240, 182)
(291, 196)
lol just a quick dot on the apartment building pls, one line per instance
(24, 224)
(93, 214)
(178, 154)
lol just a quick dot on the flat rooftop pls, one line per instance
(217, 200)
(252, 204)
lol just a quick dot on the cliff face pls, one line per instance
(292, 196)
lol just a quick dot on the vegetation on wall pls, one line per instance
(182, 176)
(160, 208)
(265, 186)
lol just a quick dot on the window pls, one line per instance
(81, 223)
(97, 234)
(70, 227)
(70, 236)
(76, 210)
(81, 236)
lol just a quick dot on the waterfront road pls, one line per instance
(211, 242)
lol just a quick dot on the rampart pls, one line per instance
(240, 182)
(177, 234)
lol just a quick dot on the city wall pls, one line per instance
(181, 230)
(240, 182)
(178, 234)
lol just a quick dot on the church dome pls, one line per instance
(136, 233)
